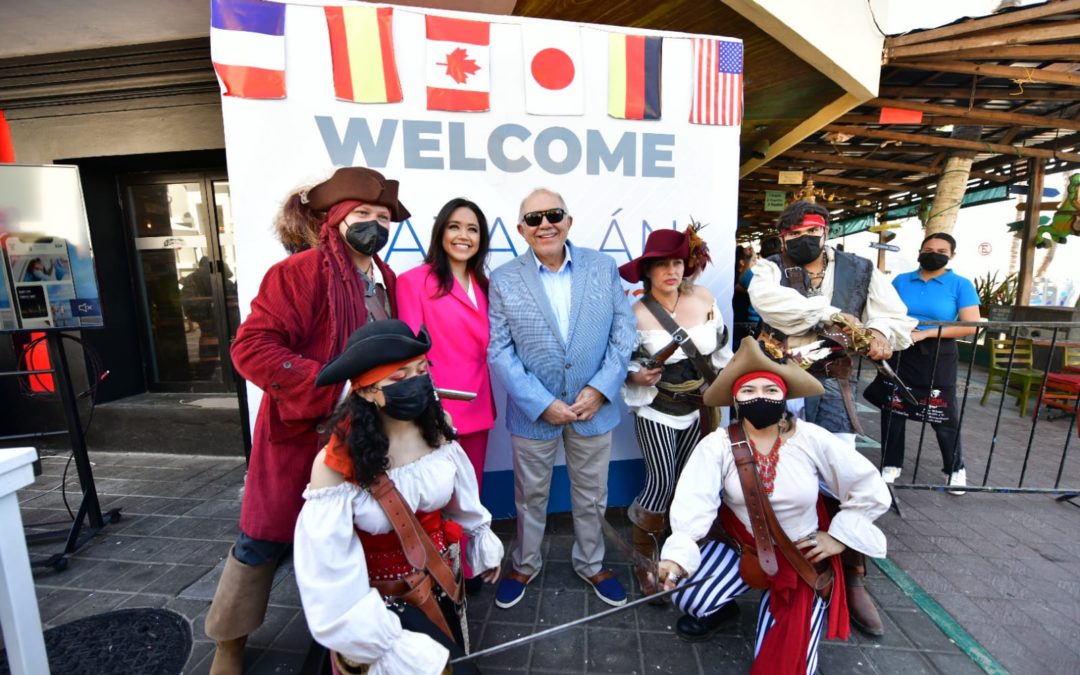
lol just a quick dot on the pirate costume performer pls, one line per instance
(389, 496)
(772, 532)
(307, 306)
(666, 399)
(809, 289)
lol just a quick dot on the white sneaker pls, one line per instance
(890, 473)
(958, 478)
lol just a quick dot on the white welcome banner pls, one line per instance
(621, 178)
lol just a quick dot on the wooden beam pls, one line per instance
(1007, 72)
(982, 93)
(986, 22)
(853, 182)
(1029, 235)
(955, 143)
(979, 114)
(823, 116)
(1056, 52)
(844, 161)
(1024, 35)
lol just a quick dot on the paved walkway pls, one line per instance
(1004, 566)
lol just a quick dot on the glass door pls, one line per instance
(185, 257)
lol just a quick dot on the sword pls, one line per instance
(857, 341)
(649, 565)
(888, 373)
(554, 630)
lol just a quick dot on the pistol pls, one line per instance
(664, 353)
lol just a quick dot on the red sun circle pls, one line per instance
(552, 68)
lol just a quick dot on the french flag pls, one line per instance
(247, 46)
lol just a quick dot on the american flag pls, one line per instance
(718, 82)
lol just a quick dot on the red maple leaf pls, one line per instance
(459, 66)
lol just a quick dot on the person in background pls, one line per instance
(791, 459)
(932, 293)
(391, 479)
(743, 315)
(561, 335)
(669, 415)
(307, 306)
(448, 295)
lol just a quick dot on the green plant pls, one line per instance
(993, 293)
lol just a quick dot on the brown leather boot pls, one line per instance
(648, 532)
(239, 608)
(864, 614)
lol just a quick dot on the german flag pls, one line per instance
(634, 76)
(362, 52)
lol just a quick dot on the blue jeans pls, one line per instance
(828, 411)
(258, 551)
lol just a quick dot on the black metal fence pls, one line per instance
(1031, 362)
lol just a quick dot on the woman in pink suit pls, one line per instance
(448, 295)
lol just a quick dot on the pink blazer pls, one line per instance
(459, 341)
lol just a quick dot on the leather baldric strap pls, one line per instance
(753, 493)
(751, 485)
(702, 364)
(796, 275)
(415, 542)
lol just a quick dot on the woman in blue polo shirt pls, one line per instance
(931, 293)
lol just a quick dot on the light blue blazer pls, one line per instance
(528, 356)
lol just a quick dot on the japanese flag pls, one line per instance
(554, 78)
(457, 64)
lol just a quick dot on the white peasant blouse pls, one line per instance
(705, 336)
(810, 458)
(343, 611)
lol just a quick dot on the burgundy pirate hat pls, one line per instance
(361, 184)
(661, 244)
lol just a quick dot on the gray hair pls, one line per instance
(541, 190)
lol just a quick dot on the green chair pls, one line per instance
(1023, 378)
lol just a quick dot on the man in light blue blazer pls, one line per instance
(561, 335)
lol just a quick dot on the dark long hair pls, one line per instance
(366, 438)
(440, 261)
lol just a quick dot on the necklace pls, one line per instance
(766, 465)
(673, 307)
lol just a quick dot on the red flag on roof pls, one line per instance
(899, 116)
(7, 149)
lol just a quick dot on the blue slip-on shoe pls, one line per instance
(512, 588)
(607, 587)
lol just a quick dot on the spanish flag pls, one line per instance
(634, 76)
(362, 52)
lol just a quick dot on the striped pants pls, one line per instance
(709, 597)
(665, 450)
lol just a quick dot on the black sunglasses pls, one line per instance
(534, 218)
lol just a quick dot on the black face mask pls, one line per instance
(761, 412)
(367, 237)
(932, 262)
(804, 249)
(408, 399)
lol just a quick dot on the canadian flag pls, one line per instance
(554, 80)
(458, 64)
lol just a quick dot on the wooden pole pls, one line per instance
(1030, 232)
(985, 23)
(1021, 73)
(940, 141)
(977, 115)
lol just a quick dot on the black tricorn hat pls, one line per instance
(375, 344)
(359, 183)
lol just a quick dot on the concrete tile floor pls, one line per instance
(1004, 566)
